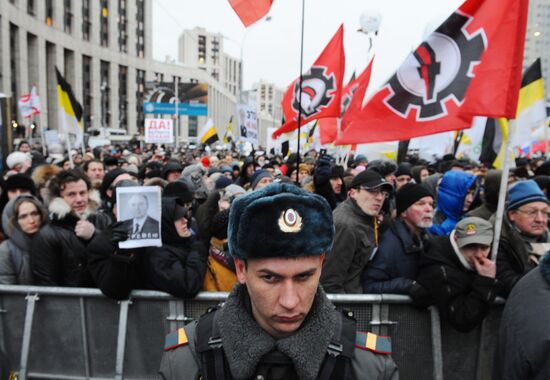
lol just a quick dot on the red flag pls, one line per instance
(328, 127)
(321, 87)
(250, 11)
(470, 66)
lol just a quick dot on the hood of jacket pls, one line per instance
(441, 251)
(452, 192)
(168, 229)
(12, 230)
(492, 186)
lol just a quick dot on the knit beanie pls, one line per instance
(220, 221)
(222, 182)
(409, 195)
(524, 192)
(257, 176)
(20, 181)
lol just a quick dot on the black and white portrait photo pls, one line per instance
(139, 210)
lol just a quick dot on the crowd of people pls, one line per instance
(399, 228)
(422, 229)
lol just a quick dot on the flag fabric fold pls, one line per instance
(250, 11)
(321, 89)
(469, 66)
(207, 133)
(70, 110)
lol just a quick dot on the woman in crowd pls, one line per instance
(22, 218)
(178, 266)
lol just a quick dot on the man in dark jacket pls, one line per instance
(394, 266)
(459, 275)
(277, 323)
(59, 248)
(525, 235)
(522, 350)
(356, 237)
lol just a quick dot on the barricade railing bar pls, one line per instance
(78, 333)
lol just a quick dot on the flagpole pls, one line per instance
(176, 120)
(503, 188)
(300, 93)
(545, 126)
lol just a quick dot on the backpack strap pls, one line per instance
(339, 350)
(210, 348)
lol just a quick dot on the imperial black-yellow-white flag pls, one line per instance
(208, 134)
(70, 110)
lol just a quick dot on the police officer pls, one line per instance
(277, 322)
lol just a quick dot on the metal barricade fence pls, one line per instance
(77, 333)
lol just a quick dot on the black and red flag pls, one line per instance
(321, 88)
(469, 66)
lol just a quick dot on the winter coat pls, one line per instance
(450, 201)
(394, 266)
(60, 256)
(116, 271)
(178, 266)
(354, 242)
(513, 255)
(246, 346)
(523, 339)
(463, 297)
(15, 267)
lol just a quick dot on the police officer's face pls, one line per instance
(281, 290)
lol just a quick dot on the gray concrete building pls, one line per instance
(537, 39)
(201, 49)
(103, 48)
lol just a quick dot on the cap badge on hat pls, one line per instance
(290, 221)
(470, 229)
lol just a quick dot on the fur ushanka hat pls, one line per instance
(280, 220)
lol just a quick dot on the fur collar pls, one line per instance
(245, 342)
(59, 209)
(544, 266)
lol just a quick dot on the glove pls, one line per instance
(421, 297)
(118, 233)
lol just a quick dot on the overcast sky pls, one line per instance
(272, 49)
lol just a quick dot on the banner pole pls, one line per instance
(176, 119)
(545, 126)
(503, 188)
(300, 94)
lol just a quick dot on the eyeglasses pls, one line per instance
(377, 191)
(533, 213)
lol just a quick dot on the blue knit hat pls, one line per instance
(524, 192)
(280, 220)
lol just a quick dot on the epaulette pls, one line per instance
(373, 342)
(175, 339)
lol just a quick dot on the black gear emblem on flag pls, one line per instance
(439, 70)
(316, 88)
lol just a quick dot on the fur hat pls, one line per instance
(17, 158)
(280, 220)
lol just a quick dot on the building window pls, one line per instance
(14, 49)
(122, 27)
(140, 28)
(202, 50)
(123, 97)
(49, 12)
(104, 23)
(215, 51)
(193, 126)
(30, 7)
(87, 91)
(68, 16)
(140, 97)
(86, 23)
(105, 90)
